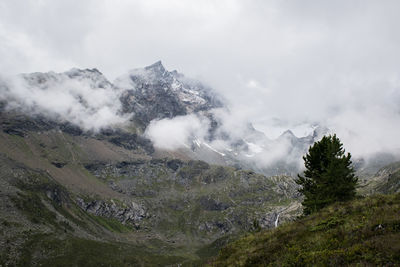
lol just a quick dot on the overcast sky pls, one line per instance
(333, 62)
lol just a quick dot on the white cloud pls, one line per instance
(177, 132)
(75, 101)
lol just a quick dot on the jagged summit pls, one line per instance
(153, 92)
(146, 93)
(156, 67)
(152, 74)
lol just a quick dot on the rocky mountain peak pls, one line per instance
(154, 74)
(156, 67)
(153, 92)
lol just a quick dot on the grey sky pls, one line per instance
(335, 62)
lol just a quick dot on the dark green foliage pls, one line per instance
(329, 176)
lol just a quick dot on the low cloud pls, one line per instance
(177, 132)
(234, 140)
(60, 97)
(369, 131)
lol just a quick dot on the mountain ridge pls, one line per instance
(88, 100)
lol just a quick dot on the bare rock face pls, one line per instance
(126, 214)
(156, 93)
(209, 200)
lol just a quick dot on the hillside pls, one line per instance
(68, 194)
(362, 232)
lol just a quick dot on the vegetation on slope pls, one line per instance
(40, 224)
(364, 231)
(191, 208)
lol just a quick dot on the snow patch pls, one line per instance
(213, 149)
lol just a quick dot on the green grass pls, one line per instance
(111, 224)
(73, 251)
(32, 206)
(361, 232)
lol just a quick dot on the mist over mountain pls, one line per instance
(175, 112)
(83, 97)
(284, 66)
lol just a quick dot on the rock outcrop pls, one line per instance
(131, 213)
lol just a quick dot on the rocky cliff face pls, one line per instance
(155, 93)
(130, 214)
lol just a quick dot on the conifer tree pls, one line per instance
(329, 175)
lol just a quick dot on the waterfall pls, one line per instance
(276, 221)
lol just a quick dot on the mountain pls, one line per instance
(155, 93)
(86, 100)
(72, 193)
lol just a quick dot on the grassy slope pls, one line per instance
(38, 230)
(361, 232)
(29, 220)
